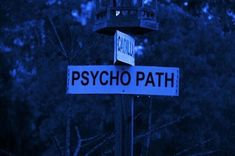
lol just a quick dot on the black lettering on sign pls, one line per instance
(130, 45)
(132, 49)
(124, 46)
(94, 76)
(112, 77)
(169, 79)
(119, 44)
(102, 82)
(140, 76)
(75, 76)
(85, 77)
(127, 47)
(128, 78)
(159, 78)
(150, 80)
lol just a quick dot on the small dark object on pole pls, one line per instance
(129, 16)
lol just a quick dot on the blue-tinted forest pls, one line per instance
(39, 39)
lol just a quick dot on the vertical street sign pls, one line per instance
(124, 49)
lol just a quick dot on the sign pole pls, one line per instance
(124, 122)
(118, 126)
(132, 125)
(124, 125)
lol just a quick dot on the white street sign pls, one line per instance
(124, 48)
(135, 80)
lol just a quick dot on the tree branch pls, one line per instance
(58, 37)
(90, 138)
(99, 145)
(97, 138)
(56, 46)
(190, 148)
(204, 153)
(138, 115)
(148, 141)
(160, 127)
(79, 142)
(54, 138)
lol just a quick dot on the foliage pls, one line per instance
(40, 38)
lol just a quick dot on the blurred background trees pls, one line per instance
(40, 38)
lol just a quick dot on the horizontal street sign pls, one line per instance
(124, 48)
(135, 80)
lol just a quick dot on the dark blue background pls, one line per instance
(39, 39)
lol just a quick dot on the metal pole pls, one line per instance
(124, 120)
(124, 125)
(132, 125)
(118, 126)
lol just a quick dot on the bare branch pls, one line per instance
(56, 141)
(90, 138)
(100, 144)
(80, 141)
(190, 148)
(110, 151)
(76, 152)
(58, 37)
(204, 153)
(148, 141)
(95, 139)
(138, 115)
(160, 127)
(57, 47)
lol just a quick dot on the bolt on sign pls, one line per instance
(124, 49)
(133, 80)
